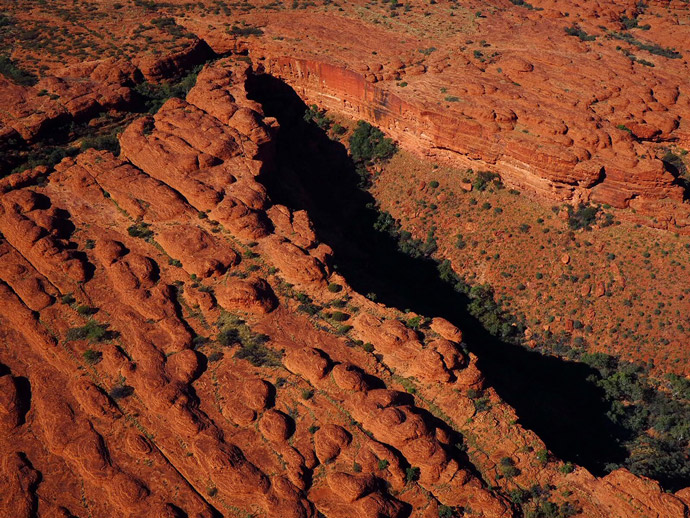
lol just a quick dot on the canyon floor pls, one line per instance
(345, 259)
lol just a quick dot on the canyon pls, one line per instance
(203, 313)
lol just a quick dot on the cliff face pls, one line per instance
(488, 139)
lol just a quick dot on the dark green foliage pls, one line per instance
(637, 406)
(576, 31)
(168, 24)
(309, 308)
(582, 217)
(252, 346)
(412, 474)
(507, 468)
(92, 357)
(318, 117)
(526, 5)
(382, 464)
(334, 288)
(343, 329)
(652, 48)
(11, 71)
(107, 142)
(215, 356)
(48, 156)
(484, 178)
(407, 244)
(482, 404)
(535, 504)
(680, 387)
(140, 230)
(339, 316)
(154, 95)
(66, 139)
(368, 144)
(567, 467)
(86, 310)
(245, 30)
(633, 23)
(445, 511)
(414, 322)
(92, 331)
(149, 5)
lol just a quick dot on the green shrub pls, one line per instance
(652, 48)
(368, 143)
(526, 5)
(154, 95)
(107, 142)
(252, 346)
(484, 178)
(507, 467)
(11, 71)
(576, 31)
(582, 217)
(92, 357)
(483, 404)
(246, 30)
(86, 310)
(339, 316)
(67, 299)
(318, 117)
(92, 331)
(567, 467)
(140, 230)
(411, 474)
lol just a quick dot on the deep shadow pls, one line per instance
(23, 396)
(552, 397)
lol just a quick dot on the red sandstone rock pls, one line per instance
(246, 295)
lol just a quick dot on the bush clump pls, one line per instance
(11, 71)
(92, 331)
(92, 357)
(252, 346)
(140, 230)
(577, 31)
(582, 217)
(368, 143)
